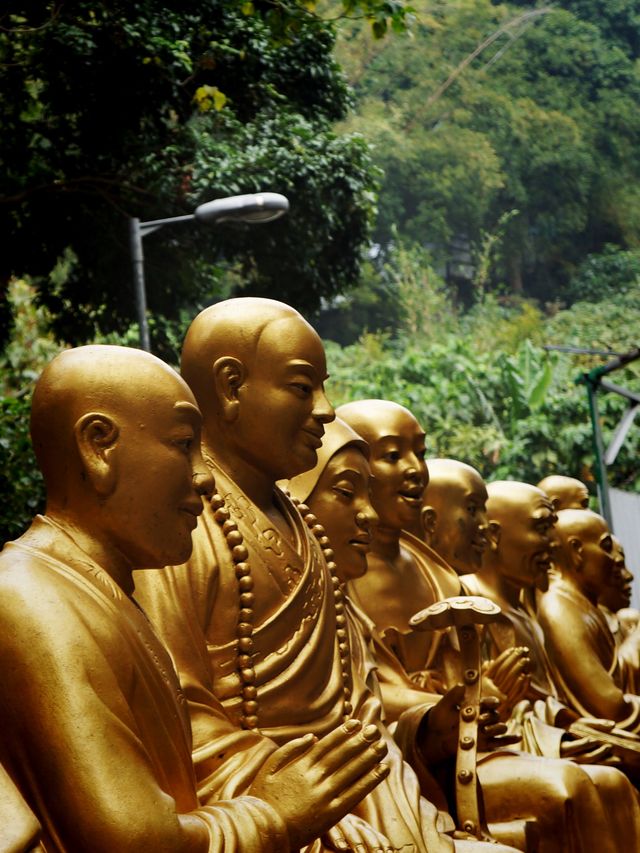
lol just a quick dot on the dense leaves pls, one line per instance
(484, 388)
(494, 109)
(116, 110)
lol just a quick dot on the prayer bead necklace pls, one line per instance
(342, 633)
(244, 628)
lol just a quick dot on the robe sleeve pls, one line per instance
(75, 738)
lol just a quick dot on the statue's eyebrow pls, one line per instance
(184, 406)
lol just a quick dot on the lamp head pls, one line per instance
(254, 208)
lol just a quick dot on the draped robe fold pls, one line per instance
(296, 660)
(95, 731)
(575, 807)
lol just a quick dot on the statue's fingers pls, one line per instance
(352, 758)
(287, 753)
(501, 665)
(340, 735)
(494, 730)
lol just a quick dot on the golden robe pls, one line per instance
(296, 660)
(19, 829)
(575, 808)
(626, 633)
(95, 731)
(583, 655)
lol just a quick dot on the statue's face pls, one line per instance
(399, 471)
(601, 562)
(618, 592)
(526, 540)
(283, 407)
(461, 520)
(154, 508)
(342, 503)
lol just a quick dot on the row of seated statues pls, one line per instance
(248, 623)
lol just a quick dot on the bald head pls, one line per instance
(587, 553)
(110, 380)
(455, 513)
(579, 522)
(521, 530)
(233, 328)
(373, 418)
(117, 434)
(565, 492)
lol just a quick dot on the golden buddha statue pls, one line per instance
(405, 575)
(255, 620)
(582, 651)
(95, 730)
(565, 492)
(337, 491)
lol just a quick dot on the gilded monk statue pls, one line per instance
(582, 650)
(404, 575)
(94, 727)
(337, 492)
(256, 619)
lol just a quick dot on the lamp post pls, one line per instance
(253, 208)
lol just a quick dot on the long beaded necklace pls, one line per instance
(244, 627)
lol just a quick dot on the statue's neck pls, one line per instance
(98, 547)
(386, 543)
(569, 579)
(255, 483)
(491, 576)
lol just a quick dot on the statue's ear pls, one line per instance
(228, 375)
(493, 534)
(429, 518)
(96, 438)
(575, 552)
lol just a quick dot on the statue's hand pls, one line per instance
(438, 732)
(312, 783)
(510, 672)
(353, 834)
(585, 750)
(489, 724)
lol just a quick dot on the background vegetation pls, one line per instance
(473, 197)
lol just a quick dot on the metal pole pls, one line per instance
(137, 257)
(601, 468)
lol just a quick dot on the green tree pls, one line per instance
(145, 109)
(498, 107)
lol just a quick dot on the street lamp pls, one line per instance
(253, 208)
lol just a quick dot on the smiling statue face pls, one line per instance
(397, 448)
(154, 508)
(283, 407)
(341, 500)
(458, 495)
(526, 532)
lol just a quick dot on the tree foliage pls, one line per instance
(483, 387)
(494, 107)
(116, 110)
